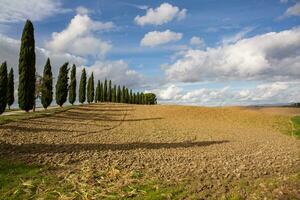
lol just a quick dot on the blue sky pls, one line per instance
(242, 52)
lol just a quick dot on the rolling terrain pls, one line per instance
(110, 150)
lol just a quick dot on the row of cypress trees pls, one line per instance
(6, 87)
(29, 90)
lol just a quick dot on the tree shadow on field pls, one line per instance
(70, 148)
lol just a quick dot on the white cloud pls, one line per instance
(78, 37)
(236, 37)
(293, 11)
(118, 71)
(35, 10)
(274, 56)
(10, 52)
(155, 38)
(266, 93)
(82, 10)
(161, 15)
(197, 41)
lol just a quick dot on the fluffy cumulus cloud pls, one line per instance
(10, 52)
(118, 71)
(276, 92)
(270, 56)
(197, 42)
(155, 38)
(79, 36)
(161, 15)
(293, 10)
(16, 10)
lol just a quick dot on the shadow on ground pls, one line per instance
(69, 148)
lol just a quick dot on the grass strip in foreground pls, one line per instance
(296, 123)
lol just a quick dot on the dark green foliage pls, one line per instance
(82, 87)
(123, 95)
(26, 90)
(150, 98)
(105, 91)
(90, 89)
(3, 87)
(47, 85)
(101, 92)
(130, 97)
(97, 96)
(134, 98)
(138, 98)
(72, 88)
(109, 92)
(119, 94)
(114, 95)
(61, 88)
(126, 95)
(10, 88)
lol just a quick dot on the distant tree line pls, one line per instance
(31, 86)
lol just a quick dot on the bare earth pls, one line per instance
(211, 149)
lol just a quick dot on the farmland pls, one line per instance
(118, 151)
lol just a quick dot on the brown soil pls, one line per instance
(212, 149)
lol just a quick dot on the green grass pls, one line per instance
(20, 181)
(31, 115)
(296, 122)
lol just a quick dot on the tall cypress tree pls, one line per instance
(101, 92)
(90, 89)
(10, 88)
(82, 87)
(3, 87)
(47, 85)
(130, 97)
(61, 88)
(72, 88)
(123, 95)
(105, 90)
(114, 96)
(26, 90)
(97, 96)
(119, 94)
(137, 98)
(109, 92)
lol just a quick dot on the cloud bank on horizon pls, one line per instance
(198, 53)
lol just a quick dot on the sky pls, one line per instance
(194, 52)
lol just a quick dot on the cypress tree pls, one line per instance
(82, 87)
(123, 95)
(61, 88)
(138, 98)
(72, 88)
(26, 90)
(97, 96)
(134, 98)
(101, 92)
(119, 94)
(90, 89)
(141, 98)
(3, 87)
(109, 92)
(47, 85)
(130, 96)
(105, 91)
(114, 96)
(10, 88)
(126, 96)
